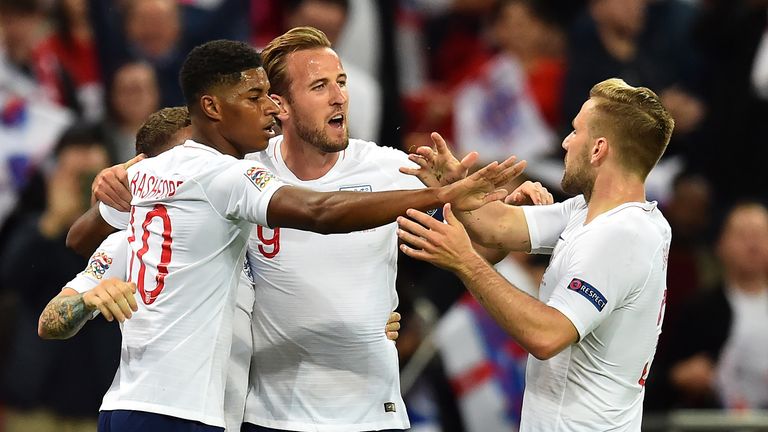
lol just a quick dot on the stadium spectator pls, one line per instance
(720, 350)
(70, 44)
(161, 33)
(38, 386)
(132, 96)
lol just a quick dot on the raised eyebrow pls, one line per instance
(342, 75)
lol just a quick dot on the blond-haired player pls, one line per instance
(592, 332)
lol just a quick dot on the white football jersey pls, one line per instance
(321, 360)
(191, 217)
(110, 260)
(609, 278)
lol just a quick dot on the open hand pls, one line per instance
(438, 166)
(446, 245)
(483, 186)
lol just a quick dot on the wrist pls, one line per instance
(85, 299)
(471, 264)
(444, 194)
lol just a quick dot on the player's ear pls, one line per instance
(283, 105)
(600, 149)
(209, 104)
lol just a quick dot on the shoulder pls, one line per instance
(640, 222)
(629, 235)
(575, 203)
(370, 151)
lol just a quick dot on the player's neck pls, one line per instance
(215, 141)
(304, 160)
(612, 190)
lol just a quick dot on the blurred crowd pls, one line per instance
(78, 78)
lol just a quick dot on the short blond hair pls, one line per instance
(275, 53)
(157, 133)
(636, 121)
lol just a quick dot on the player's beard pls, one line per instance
(319, 139)
(578, 178)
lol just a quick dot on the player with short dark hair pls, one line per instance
(193, 207)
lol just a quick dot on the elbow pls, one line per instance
(325, 226)
(43, 332)
(74, 242)
(543, 354)
(322, 217)
(545, 348)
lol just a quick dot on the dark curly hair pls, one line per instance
(215, 63)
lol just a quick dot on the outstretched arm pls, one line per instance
(496, 229)
(323, 212)
(511, 234)
(541, 329)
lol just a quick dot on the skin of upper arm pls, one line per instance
(88, 232)
(499, 226)
(564, 334)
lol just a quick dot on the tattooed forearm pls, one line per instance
(63, 317)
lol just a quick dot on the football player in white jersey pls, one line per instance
(318, 364)
(103, 289)
(592, 332)
(192, 212)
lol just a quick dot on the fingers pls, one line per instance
(115, 299)
(422, 218)
(111, 188)
(412, 233)
(415, 253)
(395, 317)
(448, 215)
(509, 171)
(548, 199)
(497, 195)
(469, 160)
(137, 158)
(440, 145)
(425, 152)
(132, 298)
(488, 171)
(393, 326)
(530, 193)
(419, 160)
